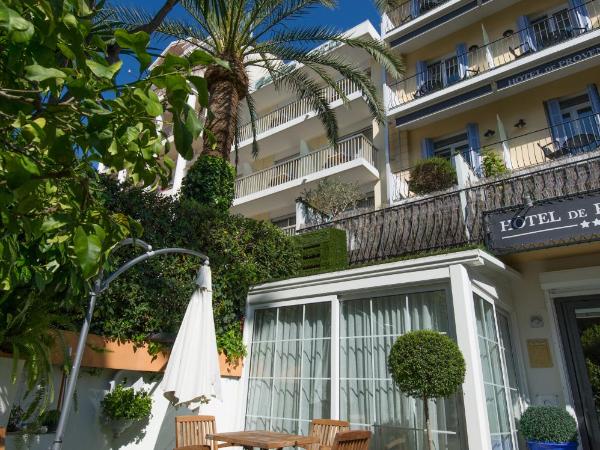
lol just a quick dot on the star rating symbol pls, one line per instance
(585, 224)
(597, 222)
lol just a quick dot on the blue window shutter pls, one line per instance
(427, 148)
(415, 8)
(421, 73)
(580, 14)
(474, 147)
(526, 34)
(556, 121)
(592, 91)
(463, 59)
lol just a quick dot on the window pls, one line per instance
(289, 381)
(290, 377)
(287, 224)
(552, 28)
(499, 374)
(578, 117)
(443, 72)
(448, 147)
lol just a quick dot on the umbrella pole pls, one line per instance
(85, 329)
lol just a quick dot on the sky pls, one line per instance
(347, 14)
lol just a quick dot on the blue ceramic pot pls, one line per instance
(538, 445)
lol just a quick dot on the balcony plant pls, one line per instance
(493, 164)
(123, 406)
(549, 427)
(431, 175)
(414, 363)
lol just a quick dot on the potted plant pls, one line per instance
(426, 365)
(123, 406)
(549, 427)
(431, 175)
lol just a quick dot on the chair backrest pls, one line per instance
(352, 440)
(326, 429)
(192, 430)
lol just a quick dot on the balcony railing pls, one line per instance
(409, 11)
(524, 42)
(294, 110)
(455, 218)
(544, 146)
(347, 150)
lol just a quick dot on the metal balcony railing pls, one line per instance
(294, 110)
(349, 149)
(542, 34)
(409, 11)
(544, 146)
(455, 218)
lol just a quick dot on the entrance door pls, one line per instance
(579, 321)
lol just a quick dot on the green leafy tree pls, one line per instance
(262, 34)
(426, 365)
(210, 181)
(62, 113)
(331, 197)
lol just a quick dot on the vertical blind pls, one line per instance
(290, 373)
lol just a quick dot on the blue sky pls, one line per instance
(346, 15)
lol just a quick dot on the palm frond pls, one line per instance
(253, 116)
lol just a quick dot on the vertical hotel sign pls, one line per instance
(546, 224)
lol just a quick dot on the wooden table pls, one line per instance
(263, 439)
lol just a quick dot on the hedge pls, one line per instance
(322, 251)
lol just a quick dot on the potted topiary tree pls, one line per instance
(431, 175)
(426, 365)
(549, 427)
(123, 406)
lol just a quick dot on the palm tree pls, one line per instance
(266, 34)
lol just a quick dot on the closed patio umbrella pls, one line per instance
(192, 376)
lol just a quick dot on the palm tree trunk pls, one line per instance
(225, 93)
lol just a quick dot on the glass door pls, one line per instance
(579, 321)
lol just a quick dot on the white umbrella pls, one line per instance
(193, 376)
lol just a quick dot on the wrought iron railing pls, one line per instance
(294, 110)
(408, 11)
(479, 60)
(544, 146)
(347, 150)
(444, 221)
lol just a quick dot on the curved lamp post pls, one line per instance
(100, 285)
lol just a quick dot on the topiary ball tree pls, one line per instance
(548, 424)
(431, 175)
(210, 181)
(425, 365)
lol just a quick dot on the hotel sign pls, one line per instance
(556, 222)
(552, 66)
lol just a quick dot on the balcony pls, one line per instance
(455, 218)
(546, 147)
(494, 59)
(295, 112)
(408, 11)
(280, 185)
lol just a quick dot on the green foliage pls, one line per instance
(62, 112)
(431, 175)
(152, 297)
(50, 418)
(210, 181)
(231, 343)
(126, 403)
(322, 250)
(415, 361)
(548, 424)
(590, 341)
(493, 164)
(332, 197)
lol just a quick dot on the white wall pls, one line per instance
(86, 431)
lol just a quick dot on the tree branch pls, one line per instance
(114, 50)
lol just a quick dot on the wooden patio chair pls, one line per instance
(191, 431)
(326, 430)
(352, 440)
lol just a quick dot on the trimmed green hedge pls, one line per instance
(322, 251)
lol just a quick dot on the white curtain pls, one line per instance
(290, 372)
(368, 397)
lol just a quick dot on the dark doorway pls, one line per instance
(579, 322)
